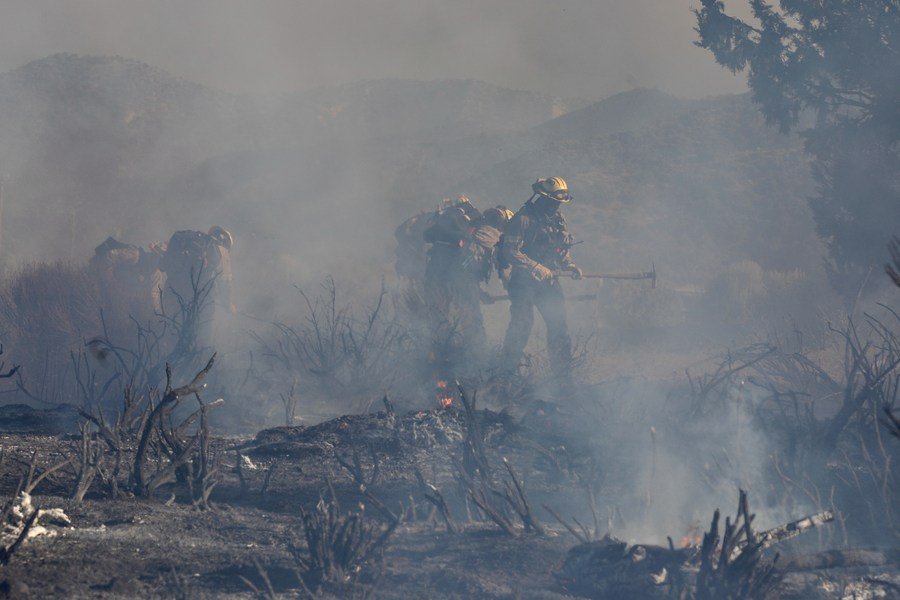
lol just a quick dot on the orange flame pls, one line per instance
(443, 394)
(694, 537)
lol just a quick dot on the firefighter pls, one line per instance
(452, 294)
(198, 276)
(411, 251)
(485, 238)
(497, 217)
(225, 279)
(535, 249)
(128, 273)
(157, 249)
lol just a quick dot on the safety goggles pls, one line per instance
(559, 196)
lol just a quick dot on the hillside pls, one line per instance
(429, 111)
(86, 141)
(448, 164)
(706, 185)
(93, 146)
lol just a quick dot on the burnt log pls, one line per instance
(610, 568)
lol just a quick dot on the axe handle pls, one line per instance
(642, 275)
(575, 298)
(617, 276)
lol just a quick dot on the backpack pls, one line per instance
(483, 250)
(190, 251)
(410, 251)
(450, 226)
(114, 253)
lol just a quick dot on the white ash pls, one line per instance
(22, 511)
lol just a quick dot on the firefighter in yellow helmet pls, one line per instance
(535, 246)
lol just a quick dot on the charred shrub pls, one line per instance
(133, 432)
(334, 351)
(340, 545)
(47, 311)
(827, 444)
(731, 565)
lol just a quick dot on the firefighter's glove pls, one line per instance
(541, 273)
(576, 272)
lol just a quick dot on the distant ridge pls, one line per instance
(109, 144)
(621, 112)
(696, 189)
(450, 163)
(444, 109)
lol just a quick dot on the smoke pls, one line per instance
(577, 48)
(664, 464)
(284, 130)
(311, 179)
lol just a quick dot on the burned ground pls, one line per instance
(529, 487)
(252, 532)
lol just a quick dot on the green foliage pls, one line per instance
(830, 68)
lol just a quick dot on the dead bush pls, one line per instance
(332, 351)
(48, 311)
(731, 564)
(830, 448)
(339, 546)
(131, 432)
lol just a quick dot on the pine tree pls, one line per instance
(829, 69)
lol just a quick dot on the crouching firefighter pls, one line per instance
(456, 266)
(411, 251)
(535, 247)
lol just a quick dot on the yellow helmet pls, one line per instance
(497, 216)
(554, 188)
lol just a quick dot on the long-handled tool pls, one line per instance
(651, 275)
(490, 298)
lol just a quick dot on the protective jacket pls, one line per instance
(482, 249)
(536, 237)
(535, 242)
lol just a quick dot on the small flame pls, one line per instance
(694, 537)
(443, 394)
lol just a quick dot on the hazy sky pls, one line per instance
(572, 47)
